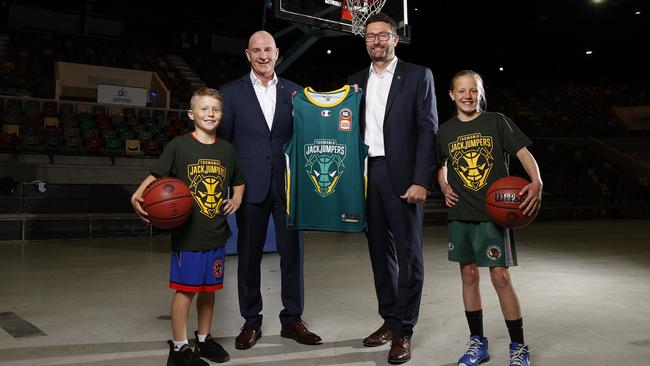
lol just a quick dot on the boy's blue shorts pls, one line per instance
(200, 271)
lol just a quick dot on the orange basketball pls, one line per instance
(168, 202)
(502, 202)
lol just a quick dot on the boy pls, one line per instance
(208, 166)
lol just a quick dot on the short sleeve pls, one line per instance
(513, 138)
(165, 163)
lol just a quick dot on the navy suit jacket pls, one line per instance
(259, 150)
(410, 125)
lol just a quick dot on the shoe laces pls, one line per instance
(518, 356)
(188, 354)
(301, 322)
(474, 346)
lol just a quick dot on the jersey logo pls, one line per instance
(493, 252)
(472, 159)
(325, 113)
(324, 164)
(207, 177)
(345, 119)
(217, 268)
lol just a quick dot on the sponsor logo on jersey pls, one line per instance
(450, 246)
(324, 164)
(472, 160)
(352, 218)
(325, 113)
(345, 119)
(207, 177)
(217, 268)
(493, 252)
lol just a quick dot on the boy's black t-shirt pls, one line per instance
(208, 170)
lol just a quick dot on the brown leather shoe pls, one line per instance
(380, 337)
(297, 330)
(400, 350)
(247, 337)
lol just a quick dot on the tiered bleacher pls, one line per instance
(28, 69)
(73, 128)
(570, 125)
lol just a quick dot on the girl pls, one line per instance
(474, 147)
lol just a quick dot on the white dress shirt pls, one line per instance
(376, 99)
(266, 96)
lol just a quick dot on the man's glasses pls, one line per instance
(384, 36)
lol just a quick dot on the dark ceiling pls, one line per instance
(527, 37)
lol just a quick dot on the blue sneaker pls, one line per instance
(477, 352)
(519, 354)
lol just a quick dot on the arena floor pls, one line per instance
(584, 287)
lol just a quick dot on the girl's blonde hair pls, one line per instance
(482, 99)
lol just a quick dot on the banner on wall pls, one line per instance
(122, 95)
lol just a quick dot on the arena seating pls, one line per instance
(28, 67)
(42, 126)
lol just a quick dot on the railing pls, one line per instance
(568, 207)
(40, 210)
(89, 218)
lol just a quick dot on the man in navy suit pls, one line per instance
(258, 121)
(399, 122)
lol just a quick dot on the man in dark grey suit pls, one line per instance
(257, 120)
(399, 121)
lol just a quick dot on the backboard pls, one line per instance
(328, 14)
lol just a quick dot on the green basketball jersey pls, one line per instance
(326, 162)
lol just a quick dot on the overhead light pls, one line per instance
(588, 52)
(500, 68)
(638, 12)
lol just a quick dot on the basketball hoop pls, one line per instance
(358, 11)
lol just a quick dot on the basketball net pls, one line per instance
(358, 11)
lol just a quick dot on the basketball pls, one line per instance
(168, 202)
(502, 202)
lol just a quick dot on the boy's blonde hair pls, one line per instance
(206, 92)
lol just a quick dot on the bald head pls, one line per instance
(262, 54)
(260, 36)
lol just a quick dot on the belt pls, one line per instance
(374, 158)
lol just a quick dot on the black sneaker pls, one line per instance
(184, 357)
(210, 349)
